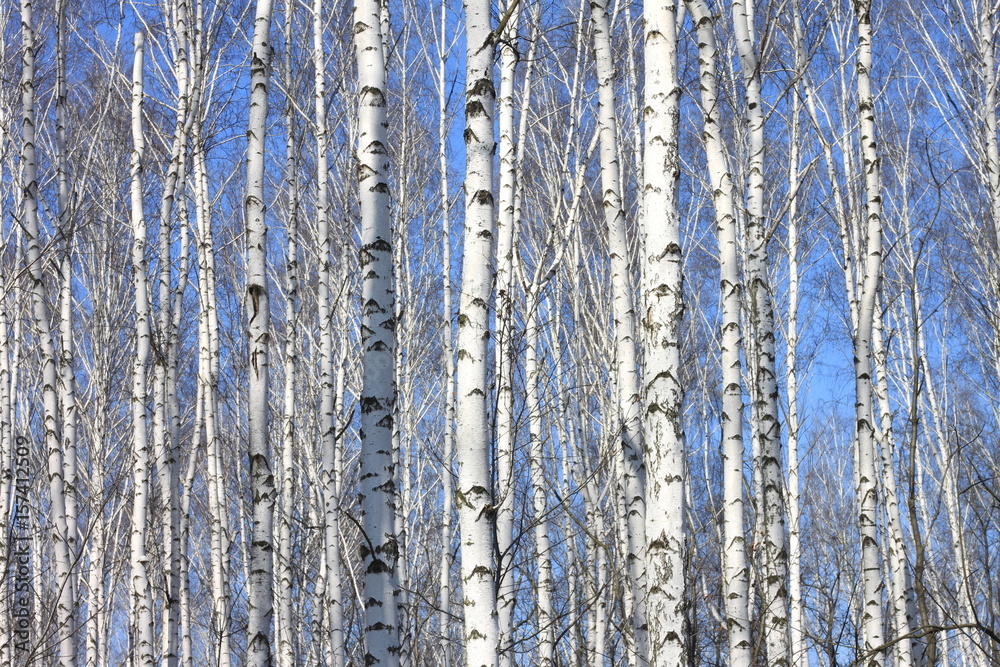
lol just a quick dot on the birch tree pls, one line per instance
(764, 391)
(867, 490)
(258, 333)
(663, 309)
(142, 600)
(473, 495)
(66, 604)
(380, 549)
(629, 402)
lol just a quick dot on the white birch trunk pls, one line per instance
(142, 600)
(66, 604)
(67, 397)
(629, 422)
(764, 391)
(543, 547)
(473, 496)
(736, 574)
(899, 583)
(871, 601)
(258, 336)
(663, 309)
(797, 654)
(448, 351)
(380, 549)
(208, 362)
(506, 433)
(328, 426)
(284, 628)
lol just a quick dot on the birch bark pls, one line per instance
(662, 312)
(871, 614)
(629, 418)
(506, 432)
(142, 600)
(66, 604)
(327, 408)
(258, 334)
(380, 549)
(284, 628)
(448, 351)
(764, 390)
(736, 584)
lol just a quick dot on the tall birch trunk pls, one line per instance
(380, 549)
(67, 398)
(142, 600)
(328, 426)
(867, 490)
(506, 432)
(628, 419)
(663, 309)
(546, 618)
(66, 604)
(208, 364)
(284, 628)
(258, 334)
(736, 574)
(797, 655)
(899, 581)
(448, 351)
(473, 496)
(764, 390)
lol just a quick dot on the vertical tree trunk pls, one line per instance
(797, 654)
(142, 600)
(663, 309)
(506, 432)
(448, 352)
(474, 497)
(871, 575)
(764, 390)
(378, 340)
(546, 618)
(284, 628)
(258, 333)
(736, 577)
(66, 603)
(628, 419)
(67, 398)
(899, 581)
(328, 427)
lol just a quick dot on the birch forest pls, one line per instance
(502, 333)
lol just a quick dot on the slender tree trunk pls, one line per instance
(764, 391)
(448, 351)
(899, 581)
(328, 426)
(380, 549)
(871, 615)
(66, 604)
(258, 333)
(142, 600)
(506, 432)
(67, 398)
(663, 309)
(797, 653)
(284, 628)
(629, 422)
(208, 361)
(473, 496)
(546, 618)
(736, 575)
